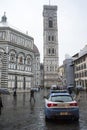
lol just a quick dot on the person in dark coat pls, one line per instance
(32, 95)
(14, 92)
(70, 90)
(1, 105)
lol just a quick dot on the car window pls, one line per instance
(61, 98)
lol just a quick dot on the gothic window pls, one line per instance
(50, 68)
(50, 23)
(48, 38)
(53, 51)
(52, 38)
(47, 68)
(49, 50)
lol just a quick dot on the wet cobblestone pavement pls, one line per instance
(19, 114)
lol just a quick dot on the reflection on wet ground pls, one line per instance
(20, 114)
(62, 125)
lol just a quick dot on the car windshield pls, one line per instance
(61, 98)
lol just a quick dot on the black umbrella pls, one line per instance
(4, 91)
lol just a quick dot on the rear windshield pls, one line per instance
(61, 98)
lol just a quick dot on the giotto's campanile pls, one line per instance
(50, 45)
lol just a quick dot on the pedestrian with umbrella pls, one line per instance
(4, 91)
(32, 95)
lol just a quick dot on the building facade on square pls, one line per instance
(50, 45)
(75, 69)
(17, 58)
(80, 68)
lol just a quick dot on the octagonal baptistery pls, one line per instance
(16, 57)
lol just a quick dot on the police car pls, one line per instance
(61, 105)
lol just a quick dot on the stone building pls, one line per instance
(80, 68)
(50, 45)
(75, 69)
(17, 58)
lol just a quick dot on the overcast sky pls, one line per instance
(26, 15)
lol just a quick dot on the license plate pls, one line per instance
(64, 113)
(61, 105)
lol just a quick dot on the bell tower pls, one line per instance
(50, 45)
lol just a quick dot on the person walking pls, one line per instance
(14, 92)
(1, 105)
(77, 94)
(32, 95)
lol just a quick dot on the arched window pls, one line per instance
(48, 38)
(52, 38)
(12, 56)
(21, 59)
(50, 68)
(49, 50)
(47, 68)
(28, 60)
(50, 23)
(52, 50)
